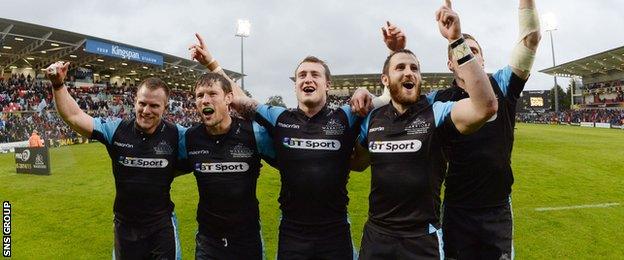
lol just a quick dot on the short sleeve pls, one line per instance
(269, 113)
(352, 117)
(103, 129)
(363, 136)
(442, 110)
(181, 142)
(503, 78)
(264, 142)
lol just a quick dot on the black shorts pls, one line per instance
(379, 246)
(481, 233)
(332, 241)
(159, 241)
(243, 246)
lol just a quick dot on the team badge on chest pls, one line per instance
(333, 127)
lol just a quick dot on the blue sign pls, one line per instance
(123, 52)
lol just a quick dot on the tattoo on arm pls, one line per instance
(246, 108)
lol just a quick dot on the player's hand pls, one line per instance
(199, 52)
(57, 72)
(393, 37)
(361, 102)
(448, 22)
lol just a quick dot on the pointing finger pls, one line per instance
(448, 4)
(201, 40)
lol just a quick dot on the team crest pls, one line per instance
(333, 127)
(241, 151)
(418, 126)
(163, 148)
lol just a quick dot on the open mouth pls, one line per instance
(408, 85)
(308, 89)
(207, 111)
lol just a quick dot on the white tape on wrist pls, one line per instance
(523, 57)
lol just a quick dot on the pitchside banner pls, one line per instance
(123, 52)
(32, 160)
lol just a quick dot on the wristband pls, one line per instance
(211, 61)
(461, 52)
(57, 87)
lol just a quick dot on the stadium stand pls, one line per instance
(28, 105)
(102, 78)
(615, 117)
(602, 77)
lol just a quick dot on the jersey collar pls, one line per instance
(320, 113)
(393, 114)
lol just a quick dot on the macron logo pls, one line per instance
(123, 144)
(293, 126)
(408, 146)
(311, 144)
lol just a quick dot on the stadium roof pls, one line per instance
(26, 45)
(603, 63)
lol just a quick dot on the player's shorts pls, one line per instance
(158, 241)
(481, 233)
(243, 246)
(332, 241)
(379, 246)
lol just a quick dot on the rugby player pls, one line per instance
(143, 151)
(313, 144)
(477, 214)
(402, 143)
(224, 154)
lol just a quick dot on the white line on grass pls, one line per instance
(603, 205)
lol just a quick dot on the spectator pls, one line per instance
(35, 140)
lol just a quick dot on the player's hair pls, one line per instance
(210, 78)
(154, 83)
(466, 37)
(386, 66)
(315, 60)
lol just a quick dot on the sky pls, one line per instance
(346, 34)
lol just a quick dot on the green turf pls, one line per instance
(68, 215)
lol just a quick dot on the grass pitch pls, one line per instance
(68, 215)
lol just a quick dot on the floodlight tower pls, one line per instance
(550, 22)
(242, 31)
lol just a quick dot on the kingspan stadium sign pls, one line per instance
(123, 52)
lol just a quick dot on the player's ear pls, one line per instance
(385, 80)
(229, 97)
(449, 65)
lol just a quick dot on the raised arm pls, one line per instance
(468, 114)
(395, 40)
(200, 53)
(66, 106)
(245, 106)
(393, 37)
(523, 53)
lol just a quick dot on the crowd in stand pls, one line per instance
(608, 84)
(597, 91)
(22, 93)
(27, 104)
(337, 101)
(611, 116)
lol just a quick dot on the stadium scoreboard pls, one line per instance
(534, 101)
